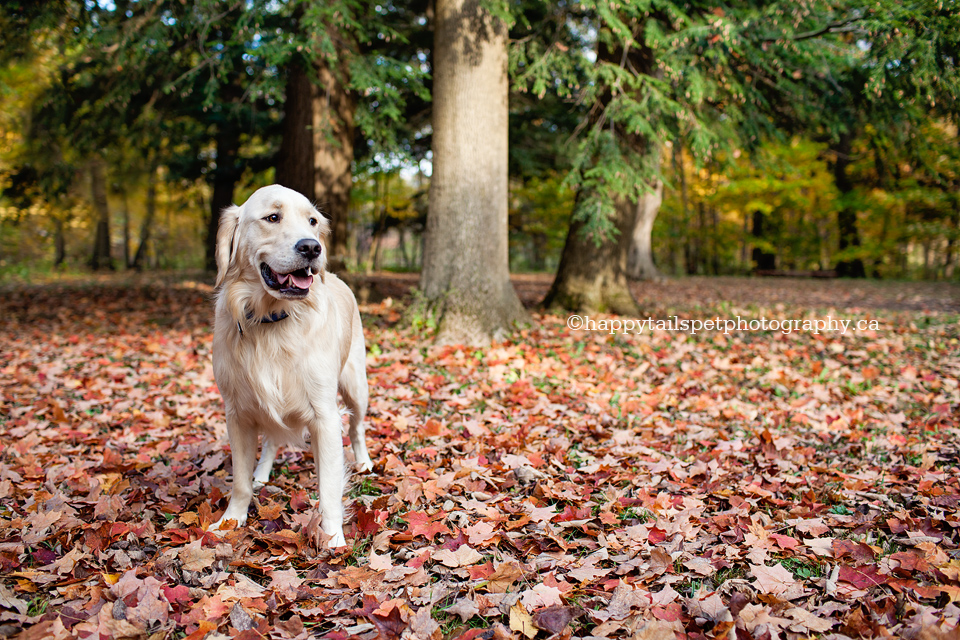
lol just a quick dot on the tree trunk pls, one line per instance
(295, 161)
(316, 152)
(591, 278)
(764, 260)
(847, 214)
(744, 246)
(334, 158)
(126, 229)
(466, 275)
(714, 241)
(101, 244)
(679, 169)
(225, 178)
(59, 241)
(640, 260)
(147, 225)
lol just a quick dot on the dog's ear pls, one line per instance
(227, 240)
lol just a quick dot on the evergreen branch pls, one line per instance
(840, 26)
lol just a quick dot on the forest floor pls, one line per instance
(661, 484)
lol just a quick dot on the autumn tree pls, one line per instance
(465, 274)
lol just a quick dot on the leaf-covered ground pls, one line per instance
(564, 484)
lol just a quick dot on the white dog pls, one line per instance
(287, 336)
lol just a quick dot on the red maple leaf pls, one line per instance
(419, 524)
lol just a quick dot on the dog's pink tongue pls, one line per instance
(282, 277)
(302, 283)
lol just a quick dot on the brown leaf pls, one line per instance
(553, 619)
(503, 577)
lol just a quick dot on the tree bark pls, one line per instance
(847, 215)
(316, 152)
(126, 229)
(225, 178)
(680, 170)
(593, 278)
(640, 264)
(334, 158)
(59, 241)
(763, 260)
(466, 276)
(295, 161)
(147, 225)
(98, 189)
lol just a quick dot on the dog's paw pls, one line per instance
(215, 527)
(363, 466)
(337, 540)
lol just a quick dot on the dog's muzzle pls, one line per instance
(294, 284)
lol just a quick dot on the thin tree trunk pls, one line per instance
(59, 242)
(466, 274)
(126, 229)
(701, 237)
(745, 245)
(147, 225)
(225, 178)
(680, 170)
(640, 264)
(823, 234)
(402, 243)
(98, 188)
(764, 260)
(847, 214)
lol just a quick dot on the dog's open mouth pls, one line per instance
(295, 283)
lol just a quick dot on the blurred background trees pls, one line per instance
(648, 138)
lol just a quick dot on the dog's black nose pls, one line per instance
(308, 248)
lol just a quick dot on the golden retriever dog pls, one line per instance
(287, 337)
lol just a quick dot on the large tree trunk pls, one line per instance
(147, 225)
(640, 259)
(593, 278)
(225, 178)
(295, 160)
(98, 189)
(847, 215)
(334, 158)
(466, 274)
(316, 153)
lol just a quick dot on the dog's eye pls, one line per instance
(313, 222)
(273, 217)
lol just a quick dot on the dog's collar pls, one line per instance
(273, 317)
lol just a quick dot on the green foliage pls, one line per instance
(758, 96)
(539, 209)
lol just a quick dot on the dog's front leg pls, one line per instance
(327, 443)
(243, 444)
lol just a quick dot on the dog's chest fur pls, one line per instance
(266, 375)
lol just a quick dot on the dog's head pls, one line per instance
(277, 237)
